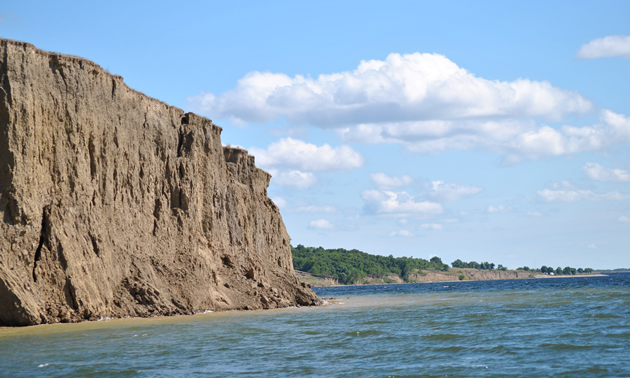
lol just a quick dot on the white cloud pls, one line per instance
(296, 154)
(409, 87)
(377, 202)
(280, 202)
(567, 192)
(320, 224)
(597, 172)
(294, 178)
(534, 214)
(316, 209)
(401, 233)
(609, 46)
(451, 192)
(566, 184)
(624, 219)
(592, 246)
(431, 226)
(386, 182)
(422, 101)
(516, 139)
(497, 209)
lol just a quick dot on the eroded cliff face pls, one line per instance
(115, 204)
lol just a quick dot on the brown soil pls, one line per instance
(115, 204)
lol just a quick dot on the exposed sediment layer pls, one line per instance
(428, 276)
(115, 204)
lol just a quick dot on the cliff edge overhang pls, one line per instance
(116, 204)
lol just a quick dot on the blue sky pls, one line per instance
(487, 131)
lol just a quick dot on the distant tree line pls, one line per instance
(544, 269)
(567, 271)
(475, 265)
(350, 266)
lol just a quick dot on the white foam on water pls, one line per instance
(42, 365)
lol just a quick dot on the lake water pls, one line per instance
(539, 327)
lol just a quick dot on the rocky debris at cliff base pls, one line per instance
(114, 204)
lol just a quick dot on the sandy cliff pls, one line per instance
(426, 276)
(470, 274)
(115, 204)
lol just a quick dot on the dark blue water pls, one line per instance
(538, 327)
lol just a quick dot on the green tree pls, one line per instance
(350, 266)
(436, 260)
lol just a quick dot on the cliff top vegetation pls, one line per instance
(350, 266)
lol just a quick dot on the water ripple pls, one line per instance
(563, 327)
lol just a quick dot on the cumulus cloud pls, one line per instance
(597, 172)
(431, 226)
(293, 179)
(497, 209)
(400, 203)
(316, 209)
(401, 88)
(386, 182)
(624, 219)
(566, 192)
(516, 139)
(424, 102)
(280, 202)
(401, 233)
(441, 191)
(297, 154)
(610, 46)
(320, 224)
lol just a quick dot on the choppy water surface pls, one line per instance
(538, 327)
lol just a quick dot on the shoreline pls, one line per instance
(572, 276)
(130, 320)
(537, 276)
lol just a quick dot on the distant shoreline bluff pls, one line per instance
(434, 276)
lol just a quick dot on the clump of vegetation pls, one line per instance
(567, 271)
(351, 266)
(475, 265)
